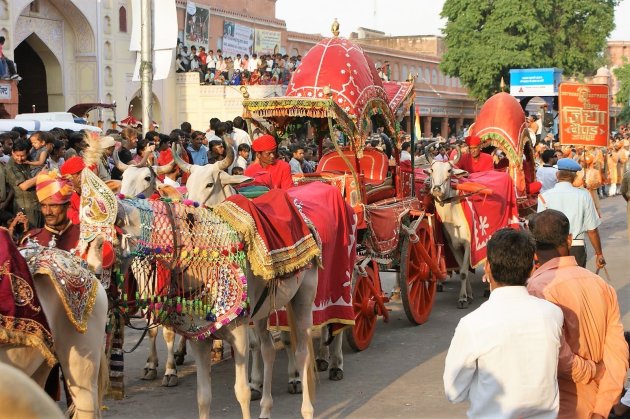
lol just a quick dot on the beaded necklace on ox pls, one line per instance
(189, 266)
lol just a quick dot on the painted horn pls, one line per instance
(229, 158)
(119, 165)
(144, 160)
(178, 160)
(167, 168)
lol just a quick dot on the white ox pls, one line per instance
(209, 187)
(451, 213)
(81, 355)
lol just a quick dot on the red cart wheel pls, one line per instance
(365, 306)
(417, 283)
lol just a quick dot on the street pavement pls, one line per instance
(398, 376)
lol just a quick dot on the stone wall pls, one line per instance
(197, 104)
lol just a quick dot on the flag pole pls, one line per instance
(146, 66)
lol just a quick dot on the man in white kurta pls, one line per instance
(504, 356)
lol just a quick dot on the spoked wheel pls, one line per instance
(417, 283)
(366, 299)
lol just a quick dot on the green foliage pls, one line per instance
(623, 79)
(624, 115)
(487, 38)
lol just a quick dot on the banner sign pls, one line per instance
(584, 114)
(237, 39)
(267, 42)
(197, 26)
(535, 82)
(5, 91)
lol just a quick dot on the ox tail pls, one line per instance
(103, 379)
(311, 370)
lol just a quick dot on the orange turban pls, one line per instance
(264, 143)
(54, 186)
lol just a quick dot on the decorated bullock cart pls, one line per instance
(336, 89)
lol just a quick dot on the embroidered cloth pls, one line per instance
(335, 223)
(278, 241)
(75, 285)
(22, 319)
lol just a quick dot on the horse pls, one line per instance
(79, 350)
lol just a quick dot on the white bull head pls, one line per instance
(140, 179)
(440, 174)
(209, 184)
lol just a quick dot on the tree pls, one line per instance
(623, 95)
(486, 38)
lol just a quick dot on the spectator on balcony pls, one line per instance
(211, 61)
(203, 59)
(185, 58)
(245, 63)
(252, 65)
(179, 66)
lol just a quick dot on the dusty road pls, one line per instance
(398, 376)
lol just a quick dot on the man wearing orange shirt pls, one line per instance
(475, 161)
(267, 169)
(593, 353)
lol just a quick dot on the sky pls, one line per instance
(394, 17)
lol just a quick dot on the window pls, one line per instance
(405, 72)
(434, 78)
(122, 19)
(427, 75)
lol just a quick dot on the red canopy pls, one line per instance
(501, 122)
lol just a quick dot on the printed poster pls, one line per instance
(237, 39)
(266, 42)
(197, 26)
(584, 114)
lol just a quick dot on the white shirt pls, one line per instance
(504, 357)
(252, 65)
(171, 182)
(575, 203)
(240, 162)
(405, 156)
(240, 136)
(547, 176)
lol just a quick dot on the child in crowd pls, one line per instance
(237, 170)
(243, 156)
(39, 153)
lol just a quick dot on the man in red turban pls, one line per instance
(475, 160)
(54, 193)
(72, 169)
(267, 169)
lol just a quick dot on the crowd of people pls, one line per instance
(216, 68)
(544, 306)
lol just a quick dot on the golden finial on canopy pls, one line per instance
(335, 28)
(502, 84)
(244, 92)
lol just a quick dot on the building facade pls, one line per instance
(77, 51)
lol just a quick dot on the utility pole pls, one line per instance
(146, 65)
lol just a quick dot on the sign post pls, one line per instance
(584, 111)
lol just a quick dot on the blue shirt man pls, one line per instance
(198, 151)
(578, 206)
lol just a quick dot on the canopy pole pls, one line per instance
(146, 66)
(412, 116)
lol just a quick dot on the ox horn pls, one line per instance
(427, 151)
(178, 160)
(167, 168)
(119, 165)
(229, 158)
(144, 160)
(458, 155)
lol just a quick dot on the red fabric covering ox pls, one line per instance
(22, 320)
(278, 240)
(486, 214)
(334, 221)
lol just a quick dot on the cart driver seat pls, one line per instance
(374, 166)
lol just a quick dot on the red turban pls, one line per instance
(165, 157)
(52, 185)
(473, 141)
(72, 166)
(264, 143)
